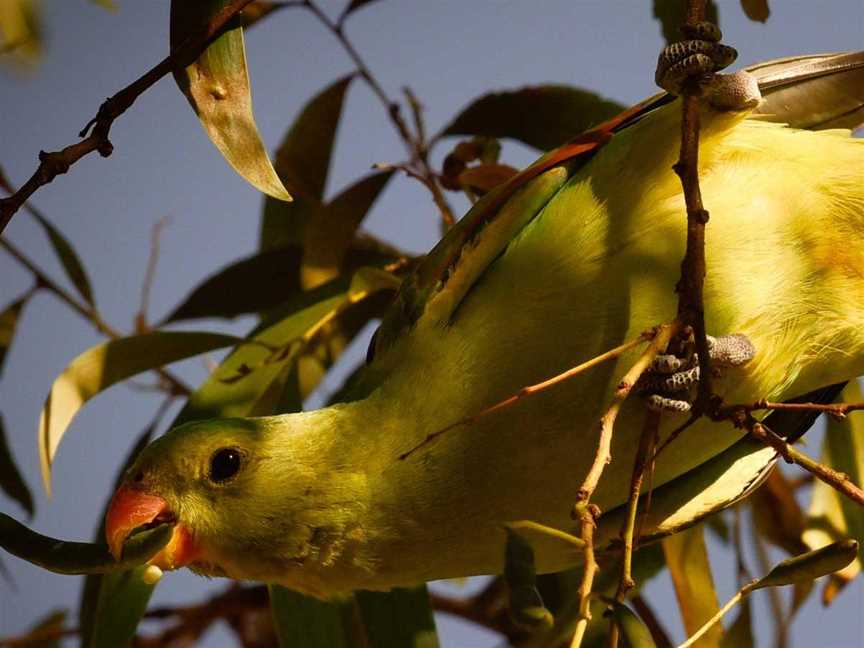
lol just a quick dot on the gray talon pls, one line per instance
(667, 364)
(699, 57)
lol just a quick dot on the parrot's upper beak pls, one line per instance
(131, 508)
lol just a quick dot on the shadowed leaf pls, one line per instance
(49, 627)
(20, 32)
(633, 631)
(400, 617)
(672, 14)
(777, 515)
(305, 621)
(811, 565)
(217, 87)
(756, 9)
(526, 606)
(11, 481)
(543, 116)
(354, 6)
(68, 258)
(329, 234)
(687, 559)
(107, 364)
(303, 162)
(8, 322)
(740, 633)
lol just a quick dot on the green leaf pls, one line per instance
(104, 365)
(304, 621)
(672, 14)
(21, 36)
(64, 557)
(8, 323)
(11, 480)
(303, 162)
(401, 617)
(68, 258)
(633, 631)
(217, 87)
(756, 9)
(51, 623)
(526, 605)
(687, 559)
(329, 234)
(811, 565)
(354, 6)
(542, 116)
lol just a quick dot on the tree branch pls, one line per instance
(54, 163)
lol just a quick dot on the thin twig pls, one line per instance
(837, 480)
(587, 513)
(141, 325)
(690, 286)
(837, 410)
(54, 163)
(538, 387)
(644, 454)
(415, 143)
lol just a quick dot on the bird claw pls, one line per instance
(668, 384)
(692, 63)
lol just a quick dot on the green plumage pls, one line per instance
(578, 260)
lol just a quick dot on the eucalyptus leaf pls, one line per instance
(11, 481)
(400, 617)
(65, 557)
(68, 258)
(304, 621)
(8, 323)
(811, 565)
(757, 10)
(52, 622)
(526, 605)
(542, 116)
(634, 633)
(217, 87)
(21, 34)
(303, 163)
(104, 365)
(354, 6)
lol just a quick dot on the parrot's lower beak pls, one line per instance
(131, 509)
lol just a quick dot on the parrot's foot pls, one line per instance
(691, 64)
(668, 385)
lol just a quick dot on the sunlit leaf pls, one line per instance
(68, 258)
(353, 6)
(217, 87)
(526, 606)
(104, 365)
(543, 116)
(64, 557)
(328, 236)
(756, 9)
(8, 322)
(672, 14)
(302, 162)
(304, 621)
(48, 627)
(400, 617)
(20, 32)
(811, 565)
(687, 559)
(11, 481)
(633, 631)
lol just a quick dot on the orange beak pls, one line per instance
(130, 509)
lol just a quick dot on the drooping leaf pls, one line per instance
(8, 322)
(11, 481)
(672, 14)
(634, 633)
(305, 621)
(740, 633)
(400, 617)
(49, 627)
(303, 163)
(777, 516)
(484, 178)
(526, 605)
(687, 559)
(63, 557)
(542, 116)
(68, 258)
(217, 87)
(756, 9)
(329, 234)
(811, 565)
(104, 365)
(20, 32)
(353, 6)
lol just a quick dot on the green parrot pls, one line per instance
(575, 255)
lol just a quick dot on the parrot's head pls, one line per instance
(250, 498)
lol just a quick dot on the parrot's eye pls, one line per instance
(224, 464)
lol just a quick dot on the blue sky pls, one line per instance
(448, 51)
